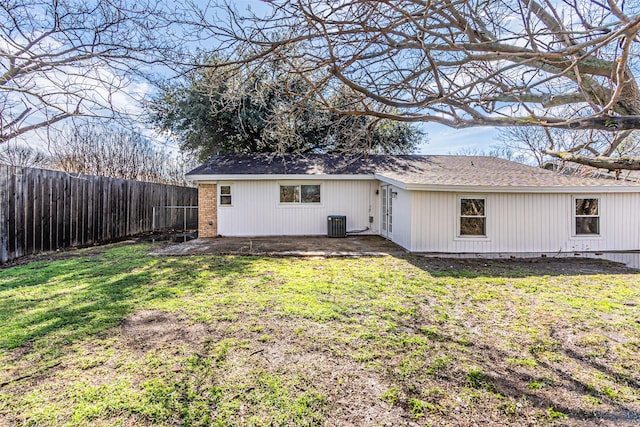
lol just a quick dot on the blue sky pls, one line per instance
(446, 140)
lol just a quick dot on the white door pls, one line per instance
(387, 211)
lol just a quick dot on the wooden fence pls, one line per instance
(44, 210)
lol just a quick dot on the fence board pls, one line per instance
(38, 211)
(43, 210)
(4, 216)
(12, 217)
(30, 202)
(73, 213)
(53, 214)
(90, 204)
(46, 211)
(59, 215)
(26, 238)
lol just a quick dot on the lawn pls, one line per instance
(113, 336)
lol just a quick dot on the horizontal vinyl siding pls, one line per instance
(524, 223)
(256, 209)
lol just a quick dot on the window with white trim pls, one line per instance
(307, 193)
(225, 195)
(473, 218)
(587, 216)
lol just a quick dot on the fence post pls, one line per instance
(153, 219)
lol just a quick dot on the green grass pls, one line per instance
(230, 341)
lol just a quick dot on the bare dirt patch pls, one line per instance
(304, 246)
(353, 392)
(151, 329)
(510, 267)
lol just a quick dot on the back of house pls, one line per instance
(434, 204)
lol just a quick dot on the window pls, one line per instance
(310, 193)
(300, 193)
(225, 195)
(587, 217)
(473, 219)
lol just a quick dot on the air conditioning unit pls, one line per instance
(336, 226)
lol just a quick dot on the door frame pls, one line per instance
(386, 208)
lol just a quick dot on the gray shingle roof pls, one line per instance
(405, 169)
(286, 164)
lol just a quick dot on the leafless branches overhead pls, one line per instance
(456, 62)
(68, 58)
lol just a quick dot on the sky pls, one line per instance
(445, 140)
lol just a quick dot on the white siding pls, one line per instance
(427, 221)
(523, 223)
(402, 217)
(256, 209)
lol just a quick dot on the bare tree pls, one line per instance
(530, 140)
(534, 142)
(68, 58)
(569, 64)
(21, 155)
(501, 151)
(96, 149)
(178, 165)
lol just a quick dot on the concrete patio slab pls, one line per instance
(296, 246)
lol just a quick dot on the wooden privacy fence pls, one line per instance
(44, 210)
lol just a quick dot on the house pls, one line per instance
(436, 204)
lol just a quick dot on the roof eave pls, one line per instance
(524, 189)
(586, 189)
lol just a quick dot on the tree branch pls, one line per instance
(600, 162)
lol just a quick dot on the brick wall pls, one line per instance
(207, 210)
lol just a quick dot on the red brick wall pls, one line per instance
(207, 210)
